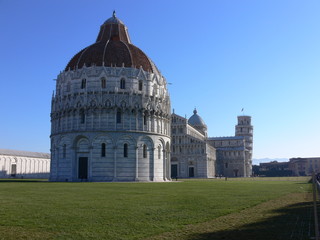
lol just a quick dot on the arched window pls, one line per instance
(145, 119)
(122, 83)
(64, 151)
(82, 117)
(83, 83)
(159, 152)
(125, 150)
(103, 82)
(119, 116)
(140, 85)
(103, 150)
(144, 151)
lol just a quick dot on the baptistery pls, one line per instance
(110, 113)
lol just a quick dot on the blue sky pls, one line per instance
(219, 55)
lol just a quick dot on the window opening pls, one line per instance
(103, 83)
(119, 117)
(83, 83)
(123, 83)
(103, 150)
(144, 151)
(64, 151)
(125, 150)
(140, 85)
(82, 117)
(145, 118)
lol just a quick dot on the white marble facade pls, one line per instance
(111, 122)
(83, 119)
(193, 154)
(23, 164)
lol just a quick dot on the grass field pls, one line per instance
(190, 209)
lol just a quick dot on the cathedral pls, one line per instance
(194, 154)
(111, 121)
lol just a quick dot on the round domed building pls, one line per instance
(110, 114)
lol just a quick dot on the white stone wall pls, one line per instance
(232, 159)
(114, 166)
(26, 167)
(211, 166)
(145, 110)
(190, 150)
(87, 113)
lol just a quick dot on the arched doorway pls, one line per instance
(83, 159)
(174, 168)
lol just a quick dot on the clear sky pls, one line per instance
(219, 55)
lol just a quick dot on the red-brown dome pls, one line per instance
(112, 48)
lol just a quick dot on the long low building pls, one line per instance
(24, 164)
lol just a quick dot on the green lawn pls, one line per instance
(46, 210)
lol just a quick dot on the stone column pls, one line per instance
(115, 163)
(164, 164)
(152, 160)
(90, 163)
(137, 163)
(152, 122)
(143, 121)
(136, 120)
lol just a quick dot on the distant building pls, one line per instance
(234, 153)
(194, 154)
(304, 166)
(23, 164)
(274, 169)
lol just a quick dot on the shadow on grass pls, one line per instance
(293, 222)
(6, 180)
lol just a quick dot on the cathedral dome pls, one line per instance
(112, 48)
(196, 120)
